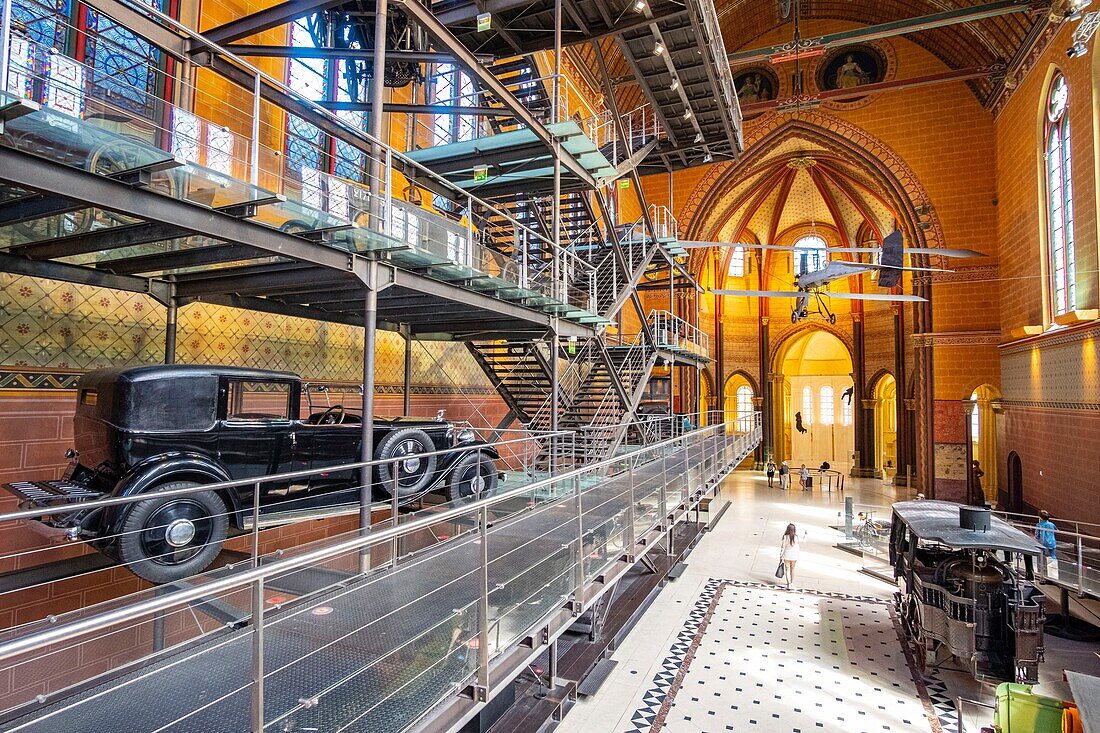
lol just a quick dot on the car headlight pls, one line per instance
(465, 435)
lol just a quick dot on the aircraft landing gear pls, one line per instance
(794, 316)
(832, 319)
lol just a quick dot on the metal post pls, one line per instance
(366, 450)
(394, 501)
(1080, 567)
(377, 98)
(555, 346)
(255, 158)
(387, 176)
(257, 621)
(483, 608)
(630, 532)
(849, 512)
(5, 43)
(170, 332)
(406, 400)
(579, 575)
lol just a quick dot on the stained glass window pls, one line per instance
(1060, 237)
(809, 254)
(126, 69)
(43, 23)
(305, 142)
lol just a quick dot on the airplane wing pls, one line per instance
(763, 293)
(686, 244)
(901, 298)
(843, 296)
(916, 250)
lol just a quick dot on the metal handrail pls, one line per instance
(69, 630)
(186, 491)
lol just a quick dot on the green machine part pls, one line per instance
(1021, 711)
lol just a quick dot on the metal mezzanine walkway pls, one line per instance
(147, 221)
(380, 651)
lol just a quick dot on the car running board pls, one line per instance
(270, 519)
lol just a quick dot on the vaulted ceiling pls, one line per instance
(991, 41)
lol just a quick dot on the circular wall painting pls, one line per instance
(757, 83)
(851, 67)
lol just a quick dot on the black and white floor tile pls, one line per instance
(753, 656)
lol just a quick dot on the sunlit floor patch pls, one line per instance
(756, 657)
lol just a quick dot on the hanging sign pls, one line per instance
(624, 183)
(481, 173)
(484, 21)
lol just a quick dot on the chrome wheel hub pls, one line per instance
(180, 533)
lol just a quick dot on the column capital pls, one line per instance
(857, 317)
(869, 404)
(764, 320)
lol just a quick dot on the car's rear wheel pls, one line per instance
(414, 471)
(169, 538)
(473, 477)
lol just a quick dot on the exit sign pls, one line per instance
(624, 183)
(484, 21)
(481, 173)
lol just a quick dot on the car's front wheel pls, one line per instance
(473, 477)
(170, 538)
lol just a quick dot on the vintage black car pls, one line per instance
(147, 429)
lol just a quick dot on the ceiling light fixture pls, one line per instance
(698, 136)
(687, 114)
(675, 85)
(640, 6)
(658, 49)
(708, 157)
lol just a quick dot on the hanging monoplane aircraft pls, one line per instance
(890, 266)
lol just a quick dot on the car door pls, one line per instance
(257, 433)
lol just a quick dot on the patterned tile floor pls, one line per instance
(725, 649)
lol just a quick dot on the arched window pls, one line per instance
(827, 407)
(737, 262)
(1059, 179)
(744, 401)
(809, 254)
(846, 409)
(807, 405)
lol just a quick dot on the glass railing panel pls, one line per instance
(604, 520)
(531, 571)
(380, 652)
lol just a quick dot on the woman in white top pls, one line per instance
(788, 551)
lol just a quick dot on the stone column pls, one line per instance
(864, 464)
(766, 447)
(904, 459)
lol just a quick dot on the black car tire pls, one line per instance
(473, 477)
(414, 473)
(149, 553)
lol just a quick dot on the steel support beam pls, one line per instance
(416, 109)
(98, 241)
(468, 61)
(276, 307)
(42, 175)
(50, 270)
(299, 52)
(266, 19)
(819, 44)
(191, 257)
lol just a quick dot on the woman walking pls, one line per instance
(771, 473)
(788, 552)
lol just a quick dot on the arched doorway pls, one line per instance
(817, 426)
(983, 437)
(886, 427)
(1013, 498)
